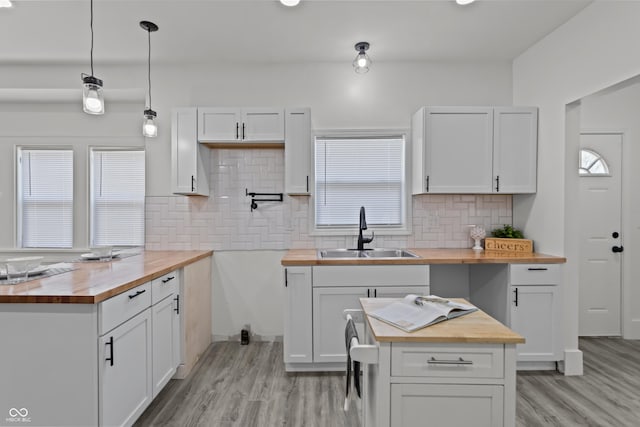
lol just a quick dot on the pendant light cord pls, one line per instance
(91, 23)
(149, 68)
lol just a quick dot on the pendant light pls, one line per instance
(92, 96)
(149, 128)
(362, 62)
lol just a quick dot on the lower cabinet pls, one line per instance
(298, 333)
(446, 404)
(164, 363)
(125, 371)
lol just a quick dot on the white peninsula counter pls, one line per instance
(461, 372)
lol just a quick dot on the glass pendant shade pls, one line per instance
(92, 95)
(149, 128)
(362, 63)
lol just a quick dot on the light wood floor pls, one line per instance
(245, 386)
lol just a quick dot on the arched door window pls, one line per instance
(592, 164)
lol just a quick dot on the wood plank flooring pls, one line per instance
(238, 385)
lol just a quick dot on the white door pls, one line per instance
(600, 234)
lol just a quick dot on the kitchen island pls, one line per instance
(95, 345)
(456, 373)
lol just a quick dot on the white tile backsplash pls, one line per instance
(224, 220)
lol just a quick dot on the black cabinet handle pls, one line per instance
(615, 234)
(537, 268)
(516, 300)
(375, 293)
(243, 131)
(368, 293)
(427, 183)
(307, 183)
(137, 293)
(110, 358)
(177, 300)
(286, 278)
(617, 249)
(237, 130)
(497, 183)
(168, 279)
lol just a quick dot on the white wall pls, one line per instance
(594, 50)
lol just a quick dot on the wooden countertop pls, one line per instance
(477, 327)
(92, 282)
(300, 257)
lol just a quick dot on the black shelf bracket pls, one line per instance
(271, 197)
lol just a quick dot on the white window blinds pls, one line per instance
(45, 198)
(359, 171)
(117, 197)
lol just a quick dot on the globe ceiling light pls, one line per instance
(149, 127)
(362, 63)
(92, 96)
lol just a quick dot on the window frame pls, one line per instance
(402, 230)
(90, 201)
(17, 199)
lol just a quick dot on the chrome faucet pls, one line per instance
(361, 227)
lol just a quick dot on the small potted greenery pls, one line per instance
(508, 239)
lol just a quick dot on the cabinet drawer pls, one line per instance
(119, 309)
(164, 286)
(371, 275)
(534, 274)
(444, 360)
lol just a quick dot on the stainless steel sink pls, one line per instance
(367, 253)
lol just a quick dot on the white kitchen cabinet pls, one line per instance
(447, 405)
(240, 125)
(164, 365)
(476, 150)
(298, 338)
(189, 160)
(177, 328)
(125, 371)
(298, 153)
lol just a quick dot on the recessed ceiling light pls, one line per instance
(290, 2)
(5, 3)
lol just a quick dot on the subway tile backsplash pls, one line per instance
(224, 220)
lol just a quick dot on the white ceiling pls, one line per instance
(57, 31)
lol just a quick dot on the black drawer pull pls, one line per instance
(537, 268)
(168, 279)
(110, 358)
(460, 361)
(137, 293)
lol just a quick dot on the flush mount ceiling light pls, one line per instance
(5, 3)
(464, 2)
(92, 96)
(290, 2)
(362, 62)
(149, 128)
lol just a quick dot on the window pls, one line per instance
(117, 188)
(45, 198)
(592, 164)
(354, 171)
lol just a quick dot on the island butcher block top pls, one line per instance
(301, 257)
(93, 282)
(477, 327)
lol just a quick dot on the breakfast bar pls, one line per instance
(456, 373)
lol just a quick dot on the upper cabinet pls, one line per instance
(239, 125)
(297, 151)
(474, 150)
(189, 160)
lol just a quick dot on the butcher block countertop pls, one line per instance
(300, 257)
(93, 282)
(477, 327)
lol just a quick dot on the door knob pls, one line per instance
(617, 249)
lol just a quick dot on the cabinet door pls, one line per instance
(262, 124)
(219, 124)
(297, 340)
(458, 149)
(535, 315)
(446, 405)
(162, 320)
(189, 160)
(328, 322)
(177, 330)
(297, 151)
(398, 291)
(515, 144)
(125, 371)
